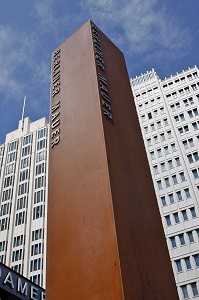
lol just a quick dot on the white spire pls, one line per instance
(22, 117)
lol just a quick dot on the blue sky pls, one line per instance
(158, 34)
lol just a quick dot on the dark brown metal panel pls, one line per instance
(101, 197)
(82, 255)
(145, 263)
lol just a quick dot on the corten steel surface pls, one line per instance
(105, 237)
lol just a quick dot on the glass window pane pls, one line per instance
(178, 265)
(185, 292)
(194, 289)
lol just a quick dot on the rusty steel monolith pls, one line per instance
(105, 237)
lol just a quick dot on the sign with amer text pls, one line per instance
(17, 285)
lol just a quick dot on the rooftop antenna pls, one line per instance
(22, 117)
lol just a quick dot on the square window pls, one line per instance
(169, 134)
(184, 214)
(189, 77)
(155, 112)
(176, 217)
(159, 183)
(181, 116)
(185, 291)
(195, 125)
(188, 263)
(173, 147)
(190, 236)
(171, 198)
(165, 122)
(155, 168)
(186, 128)
(179, 195)
(182, 176)
(187, 89)
(173, 242)
(152, 127)
(191, 143)
(196, 258)
(155, 139)
(185, 144)
(195, 155)
(194, 289)
(166, 150)
(163, 167)
(170, 164)
(180, 130)
(187, 193)
(175, 181)
(172, 107)
(195, 173)
(193, 212)
(190, 158)
(182, 240)
(178, 265)
(167, 182)
(177, 160)
(159, 152)
(195, 111)
(163, 199)
(159, 124)
(168, 220)
(177, 119)
(162, 137)
(149, 143)
(191, 101)
(152, 154)
(186, 102)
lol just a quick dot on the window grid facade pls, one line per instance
(168, 115)
(23, 194)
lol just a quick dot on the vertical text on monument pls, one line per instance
(104, 93)
(55, 106)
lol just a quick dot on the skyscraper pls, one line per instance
(169, 118)
(23, 199)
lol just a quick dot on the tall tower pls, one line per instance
(105, 238)
(169, 119)
(23, 199)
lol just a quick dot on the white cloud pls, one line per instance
(9, 60)
(145, 26)
(22, 68)
(52, 16)
(45, 12)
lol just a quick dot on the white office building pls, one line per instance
(168, 113)
(23, 199)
